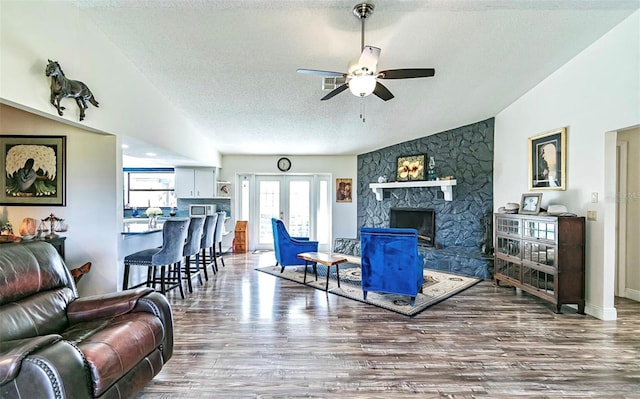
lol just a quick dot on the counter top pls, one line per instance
(139, 228)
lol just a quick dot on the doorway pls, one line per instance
(628, 210)
(301, 201)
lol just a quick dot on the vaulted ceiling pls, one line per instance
(230, 66)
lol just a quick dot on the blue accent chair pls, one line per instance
(391, 262)
(287, 248)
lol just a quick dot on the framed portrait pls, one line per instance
(410, 167)
(343, 190)
(33, 170)
(548, 160)
(530, 203)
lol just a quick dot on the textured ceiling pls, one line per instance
(230, 66)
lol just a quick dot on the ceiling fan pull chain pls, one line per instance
(362, 110)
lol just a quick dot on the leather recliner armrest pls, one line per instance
(108, 305)
(13, 352)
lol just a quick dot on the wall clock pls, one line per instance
(284, 164)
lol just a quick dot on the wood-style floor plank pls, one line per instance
(247, 334)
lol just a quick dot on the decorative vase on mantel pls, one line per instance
(153, 221)
(431, 171)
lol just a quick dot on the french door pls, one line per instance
(301, 201)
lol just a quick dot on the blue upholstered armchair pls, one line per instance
(287, 248)
(391, 262)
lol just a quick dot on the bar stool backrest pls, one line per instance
(194, 236)
(174, 234)
(209, 230)
(222, 215)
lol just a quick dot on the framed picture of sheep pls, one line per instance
(33, 170)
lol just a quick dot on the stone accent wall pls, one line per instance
(464, 232)
(466, 153)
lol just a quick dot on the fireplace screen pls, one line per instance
(421, 219)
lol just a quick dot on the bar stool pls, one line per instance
(174, 234)
(192, 248)
(206, 244)
(217, 240)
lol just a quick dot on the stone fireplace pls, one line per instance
(462, 228)
(421, 219)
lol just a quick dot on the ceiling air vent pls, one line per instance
(331, 82)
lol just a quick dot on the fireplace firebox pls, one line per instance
(421, 219)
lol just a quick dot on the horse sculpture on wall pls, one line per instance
(61, 87)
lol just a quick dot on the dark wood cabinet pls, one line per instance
(58, 244)
(542, 255)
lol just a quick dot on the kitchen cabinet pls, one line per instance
(195, 182)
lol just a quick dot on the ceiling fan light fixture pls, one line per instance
(362, 85)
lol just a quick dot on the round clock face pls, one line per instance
(284, 164)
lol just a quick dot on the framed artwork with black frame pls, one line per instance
(548, 160)
(410, 167)
(530, 203)
(33, 170)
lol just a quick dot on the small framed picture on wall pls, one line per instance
(343, 190)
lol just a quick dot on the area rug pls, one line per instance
(437, 286)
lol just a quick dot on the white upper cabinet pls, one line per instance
(195, 182)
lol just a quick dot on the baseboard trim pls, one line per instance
(632, 294)
(606, 314)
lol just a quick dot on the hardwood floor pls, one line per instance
(246, 334)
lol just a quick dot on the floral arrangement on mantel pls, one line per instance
(154, 211)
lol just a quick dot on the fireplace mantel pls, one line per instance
(445, 185)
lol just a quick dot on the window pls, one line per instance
(145, 187)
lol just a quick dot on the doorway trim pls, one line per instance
(621, 225)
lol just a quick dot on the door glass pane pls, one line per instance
(269, 192)
(323, 218)
(244, 195)
(299, 209)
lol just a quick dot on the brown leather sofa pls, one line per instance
(54, 344)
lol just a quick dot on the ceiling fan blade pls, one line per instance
(369, 58)
(407, 73)
(335, 91)
(382, 92)
(322, 73)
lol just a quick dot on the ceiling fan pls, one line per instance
(362, 78)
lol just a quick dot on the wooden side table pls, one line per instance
(241, 237)
(325, 259)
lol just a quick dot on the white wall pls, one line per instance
(596, 92)
(91, 210)
(344, 214)
(34, 31)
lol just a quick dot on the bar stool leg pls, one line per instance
(179, 279)
(204, 264)
(187, 270)
(125, 279)
(198, 268)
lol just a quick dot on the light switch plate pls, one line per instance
(592, 215)
(594, 198)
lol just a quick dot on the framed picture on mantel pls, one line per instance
(410, 167)
(33, 170)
